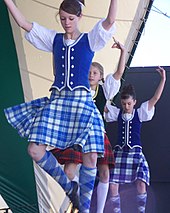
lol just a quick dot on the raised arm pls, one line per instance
(110, 20)
(159, 89)
(121, 64)
(17, 15)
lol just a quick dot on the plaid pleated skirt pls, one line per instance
(108, 154)
(130, 165)
(71, 156)
(63, 120)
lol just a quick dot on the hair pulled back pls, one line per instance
(128, 91)
(72, 6)
(100, 68)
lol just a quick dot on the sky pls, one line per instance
(154, 45)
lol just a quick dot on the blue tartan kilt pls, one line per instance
(129, 166)
(63, 120)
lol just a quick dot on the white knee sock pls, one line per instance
(102, 190)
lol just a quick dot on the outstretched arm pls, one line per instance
(17, 15)
(109, 21)
(121, 65)
(159, 89)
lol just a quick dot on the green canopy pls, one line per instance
(17, 183)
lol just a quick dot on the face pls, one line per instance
(128, 105)
(94, 76)
(69, 21)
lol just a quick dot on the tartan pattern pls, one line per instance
(86, 180)
(22, 116)
(51, 166)
(129, 166)
(115, 202)
(108, 154)
(141, 202)
(71, 156)
(67, 156)
(67, 118)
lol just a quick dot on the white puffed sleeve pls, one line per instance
(98, 36)
(111, 87)
(113, 113)
(145, 114)
(41, 37)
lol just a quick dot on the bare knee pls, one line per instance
(104, 173)
(114, 189)
(90, 159)
(70, 170)
(141, 186)
(36, 151)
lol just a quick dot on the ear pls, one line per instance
(81, 15)
(135, 101)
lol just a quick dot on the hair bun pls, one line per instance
(82, 2)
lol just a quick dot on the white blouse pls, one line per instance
(110, 86)
(143, 113)
(42, 38)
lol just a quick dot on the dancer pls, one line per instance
(102, 92)
(69, 117)
(130, 163)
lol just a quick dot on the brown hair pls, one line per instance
(72, 6)
(128, 91)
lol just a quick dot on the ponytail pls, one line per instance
(72, 6)
(128, 91)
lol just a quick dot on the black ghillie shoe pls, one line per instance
(73, 196)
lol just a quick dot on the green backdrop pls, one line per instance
(17, 182)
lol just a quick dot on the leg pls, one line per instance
(141, 196)
(48, 163)
(70, 170)
(115, 198)
(87, 179)
(103, 186)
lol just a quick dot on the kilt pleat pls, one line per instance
(64, 119)
(71, 156)
(108, 158)
(22, 116)
(68, 156)
(129, 166)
